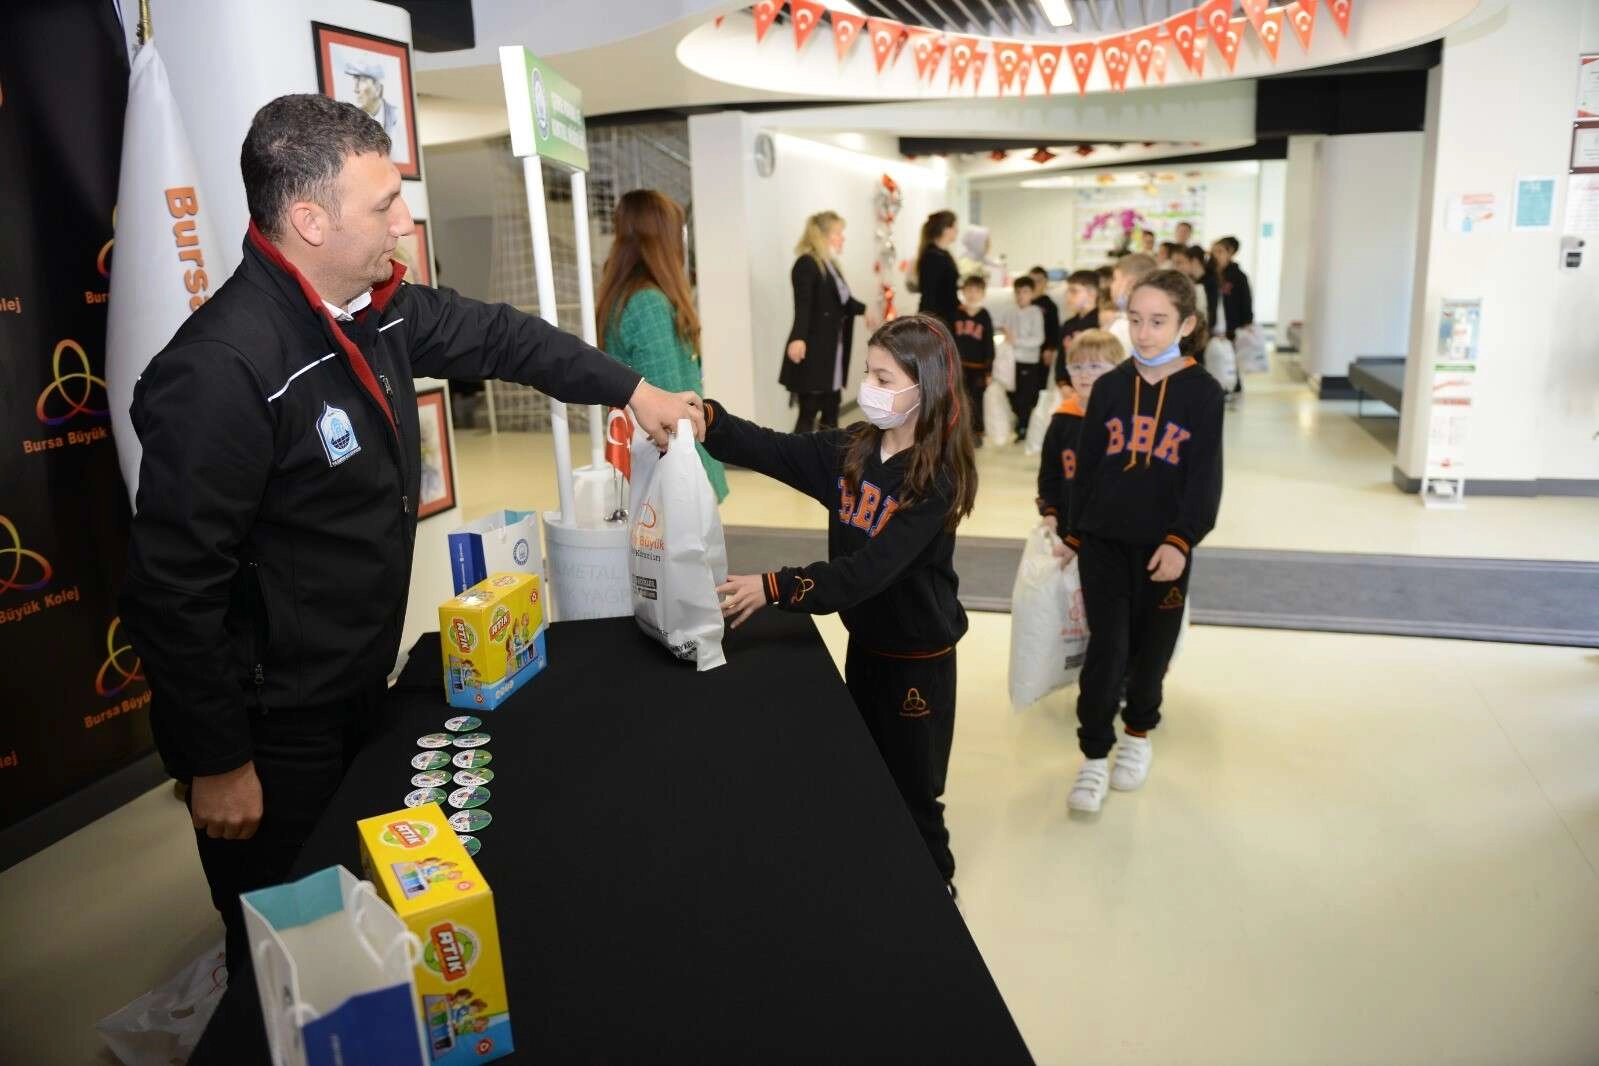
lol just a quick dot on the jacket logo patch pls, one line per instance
(338, 435)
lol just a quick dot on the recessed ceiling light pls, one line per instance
(1058, 12)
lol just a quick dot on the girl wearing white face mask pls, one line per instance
(895, 487)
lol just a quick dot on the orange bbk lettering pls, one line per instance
(1116, 439)
(1068, 463)
(1143, 434)
(184, 205)
(870, 512)
(1171, 442)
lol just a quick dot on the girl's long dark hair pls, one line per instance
(943, 460)
(1179, 288)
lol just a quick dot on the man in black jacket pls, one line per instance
(271, 549)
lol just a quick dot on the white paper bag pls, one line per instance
(498, 542)
(997, 415)
(1048, 625)
(679, 556)
(1038, 425)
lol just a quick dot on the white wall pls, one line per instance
(745, 228)
(1266, 278)
(1362, 249)
(1299, 215)
(1535, 413)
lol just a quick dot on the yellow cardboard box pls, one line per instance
(492, 639)
(421, 870)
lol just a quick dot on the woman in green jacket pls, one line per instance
(645, 308)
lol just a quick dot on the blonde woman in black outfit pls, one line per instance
(937, 278)
(816, 360)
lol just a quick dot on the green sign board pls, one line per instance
(546, 110)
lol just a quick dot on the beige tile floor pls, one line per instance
(1352, 849)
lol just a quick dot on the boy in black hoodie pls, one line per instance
(1050, 353)
(1147, 490)
(1082, 310)
(1091, 355)
(974, 339)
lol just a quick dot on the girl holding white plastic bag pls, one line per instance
(895, 487)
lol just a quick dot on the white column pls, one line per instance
(585, 297)
(539, 222)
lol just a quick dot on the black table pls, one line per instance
(689, 868)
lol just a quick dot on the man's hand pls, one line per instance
(227, 805)
(741, 597)
(656, 412)
(1167, 564)
(796, 351)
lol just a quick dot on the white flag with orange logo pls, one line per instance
(164, 246)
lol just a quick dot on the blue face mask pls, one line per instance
(1170, 354)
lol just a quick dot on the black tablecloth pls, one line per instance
(689, 868)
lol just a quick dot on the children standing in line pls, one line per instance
(1129, 271)
(1147, 490)
(1082, 309)
(896, 488)
(1092, 354)
(1042, 300)
(974, 339)
(1027, 344)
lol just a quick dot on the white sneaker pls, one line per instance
(1088, 794)
(1133, 756)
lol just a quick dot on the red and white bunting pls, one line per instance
(807, 15)
(940, 46)
(1046, 57)
(1118, 56)
(1143, 44)
(1214, 15)
(846, 29)
(1302, 17)
(1024, 71)
(1007, 60)
(962, 50)
(1081, 58)
(1184, 30)
(979, 62)
(1158, 63)
(1271, 32)
(766, 12)
(1255, 11)
(1340, 12)
(1231, 40)
(922, 48)
(885, 34)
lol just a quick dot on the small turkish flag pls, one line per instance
(1046, 57)
(1081, 57)
(979, 61)
(962, 50)
(1184, 30)
(1007, 60)
(619, 441)
(1118, 61)
(1340, 12)
(807, 16)
(1143, 44)
(1158, 63)
(1229, 41)
(846, 28)
(766, 12)
(885, 34)
(1302, 17)
(1271, 31)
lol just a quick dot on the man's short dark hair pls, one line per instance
(1024, 282)
(1086, 278)
(971, 280)
(1039, 270)
(294, 151)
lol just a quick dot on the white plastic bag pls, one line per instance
(679, 556)
(1004, 369)
(1222, 362)
(1038, 424)
(997, 415)
(162, 1026)
(1048, 626)
(1251, 348)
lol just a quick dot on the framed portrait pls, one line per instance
(414, 251)
(374, 74)
(438, 483)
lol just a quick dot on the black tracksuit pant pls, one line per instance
(1029, 382)
(909, 708)
(1133, 625)
(814, 406)
(976, 378)
(301, 756)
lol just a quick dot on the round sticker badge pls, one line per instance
(463, 724)
(424, 795)
(432, 760)
(472, 844)
(434, 740)
(470, 821)
(473, 778)
(471, 760)
(467, 798)
(471, 740)
(431, 779)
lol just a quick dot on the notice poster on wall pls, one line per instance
(1535, 204)
(1475, 212)
(1588, 86)
(1585, 147)
(1454, 372)
(1582, 204)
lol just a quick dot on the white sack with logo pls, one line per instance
(1048, 625)
(678, 555)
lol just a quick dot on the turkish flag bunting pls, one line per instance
(766, 12)
(1231, 40)
(1271, 31)
(1255, 11)
(1302, 17)
(1007, 60)
(1117, 53)
(807, 15)
(1214, 15)
(962, 51)
(1024, 71)
(940, 46)
(922, 49)
(1046, 57)
(1340, 13)
(619, 441)
(1081, 58)
(846, 28)
(979, 61)
(885, 34)
(1184, 30)
(1158, 63)
(1143, 45)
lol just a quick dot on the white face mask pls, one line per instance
(877, 404)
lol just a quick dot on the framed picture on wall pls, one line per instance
(374, 74)
(438, 484)
(416, 254)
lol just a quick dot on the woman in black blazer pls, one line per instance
(937, 278)
(816, 361)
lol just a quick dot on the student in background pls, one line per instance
(936, 277)
(1090, 355)
(1026, 334)
(1051, 312)
(1146, 241)
(1234, 304)
(1163, 255)
(1183, 234)
(974, 340)
(1190, 262)
(1082, 311)
(1128, 272)
(1147, 490)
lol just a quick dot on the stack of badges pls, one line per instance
(432, 784)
